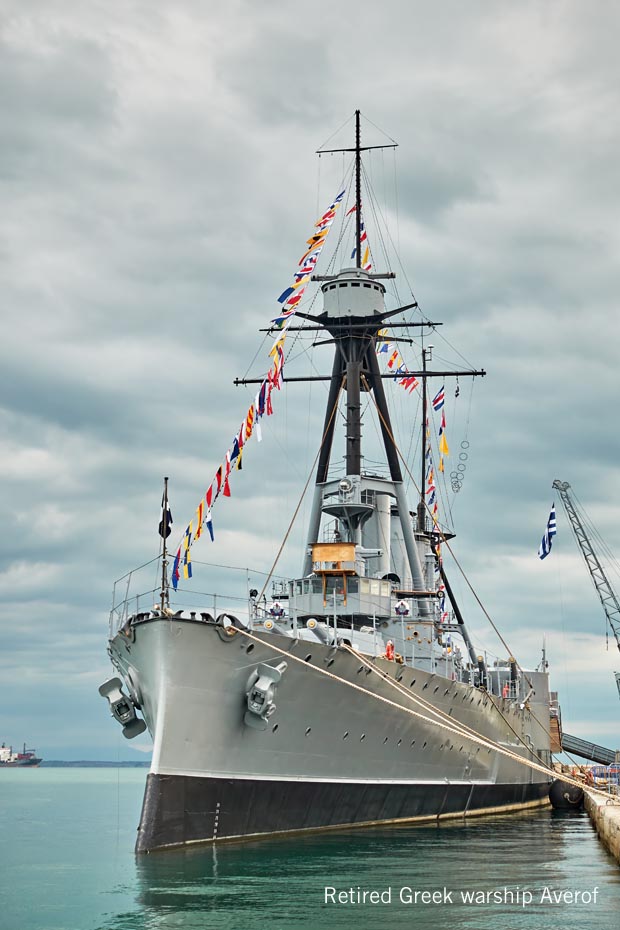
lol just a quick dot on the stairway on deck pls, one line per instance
(586, 750)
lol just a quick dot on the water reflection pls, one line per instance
(282, 883)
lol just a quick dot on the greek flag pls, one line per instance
(550, 531)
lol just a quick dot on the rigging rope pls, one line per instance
(445, 542)
(452, 728)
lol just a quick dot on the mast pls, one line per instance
(353, 313)
(358, 193)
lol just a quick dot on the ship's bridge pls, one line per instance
(353, 292)
(336, 583)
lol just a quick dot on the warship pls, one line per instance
(353, 696)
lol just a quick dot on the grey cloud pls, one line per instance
(158, 181)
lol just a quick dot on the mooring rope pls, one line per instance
(474, 737)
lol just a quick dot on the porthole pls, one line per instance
(435, 690)
(362, 737)
(330, 663)
(412, 683)
(308, 658)
(413, 742)
(400, 677)
(250, 648)
(424, 745)
(360, 669)
(308, 731)
(275, 727)
(447, 691)
(399, 742)
(385, 740)
(346, 734)
(425, 686)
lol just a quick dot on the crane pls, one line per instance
(607, 595)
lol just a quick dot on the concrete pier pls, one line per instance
(605, 815)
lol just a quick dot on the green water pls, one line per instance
(67, 863)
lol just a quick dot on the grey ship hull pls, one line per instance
(329, 757)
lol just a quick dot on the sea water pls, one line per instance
(67, 863)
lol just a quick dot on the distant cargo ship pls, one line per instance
(27, 757)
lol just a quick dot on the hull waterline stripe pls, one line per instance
(319, 779)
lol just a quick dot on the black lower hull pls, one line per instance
(180, 809)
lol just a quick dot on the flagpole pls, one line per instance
(165, 593)
(421, 505)
(358, 192)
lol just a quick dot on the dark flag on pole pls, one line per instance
(165, 524)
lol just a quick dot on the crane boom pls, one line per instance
(606, 593)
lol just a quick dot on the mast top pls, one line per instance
(358, 149)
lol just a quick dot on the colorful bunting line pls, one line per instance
(263, 402)
(291, 297)
(395, 363)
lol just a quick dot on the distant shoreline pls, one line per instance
(92, 763)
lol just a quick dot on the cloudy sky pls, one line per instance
(158, 182)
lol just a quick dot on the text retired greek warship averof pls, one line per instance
(521, 897)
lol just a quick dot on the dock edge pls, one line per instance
(606, 818)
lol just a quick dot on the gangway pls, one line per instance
(586, 750)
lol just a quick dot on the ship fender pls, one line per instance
(565, 796)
